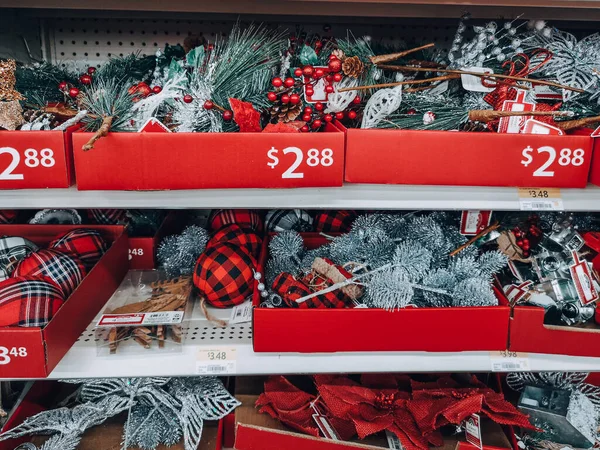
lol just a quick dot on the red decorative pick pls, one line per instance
(281, 127)
(244, 114)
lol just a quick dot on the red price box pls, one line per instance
(35, 159)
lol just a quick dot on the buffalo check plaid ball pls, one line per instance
(236, 235)
(245, 218)
(13, 249)
(224, 274)
(64, 271)
(291, 289)
(87, 245)
(293, 219)
(107, 216)
(334, 221)
(28, 302)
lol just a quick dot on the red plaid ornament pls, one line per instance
(64, 271)
(87, 245)
(236, 235)
(108, 216)
(291, 289)
(224, 274)
(334, 221)
(27, 302)
(245, 218)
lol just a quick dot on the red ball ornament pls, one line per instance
(208, 105)
(285, 98)
(329, 78)
(411, 111)
(91, 70)
(277, 82)
(294, 99)
(187, 98)
(319, 106)
(352, 115)
(339, 115)
(298, 72)
(63, 85)
(310, 91)
(335, 65)
(85, 79)
(307, 71)
(304, 129)
(289, 82)
(356, 100)
(327, 118)
(306, 117)
(272, 96)
(157, 89)
(227, 115)
(337, 77)
(329, 89)
(73, 92)
(319, 73)
(317, 124)
(332, 57)
(308, 110)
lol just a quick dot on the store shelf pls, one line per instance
(351, 196)
(85, 360)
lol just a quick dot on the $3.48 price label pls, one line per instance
(216, 361)
(7, 354)
(541, 159)
(313, 158)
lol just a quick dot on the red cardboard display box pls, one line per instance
(256, 431)
(595, 166)
(467, 159)
(36, 159)
(142, 250)
(44, 395)
(528, 333)
(158, 161)
(45, 347)
(370, 329)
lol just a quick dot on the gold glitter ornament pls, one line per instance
(8, 81)
(11, 115)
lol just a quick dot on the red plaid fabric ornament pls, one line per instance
(245, 218)
(8, 216)
(224, 274)
(236, 235)
(334, 221)
(13, 249)
(108, 216)
(27, 302)
(87, 245)
(291, 289)
(64, 271)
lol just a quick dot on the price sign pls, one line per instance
(542, 159)
(536, 199)
(32, 159)
(507, 361)
(291, 167)
(216, 361)
(135, 252)
(7, 354)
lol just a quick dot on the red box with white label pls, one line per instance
(36, 159)
(529, 333)
(370, 329)
(467, 159)
(45, 395)
(159, 161)
(33, 352)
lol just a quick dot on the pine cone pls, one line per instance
(353, 67)
(285, 112)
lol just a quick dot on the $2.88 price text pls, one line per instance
(313, 157)
(544, 157)
(31, 158)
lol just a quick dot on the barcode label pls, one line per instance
(393, 441)
(549, 205)
(507, 361)
(216, 361)
(241, 313)
(154, 318)
(540, 199)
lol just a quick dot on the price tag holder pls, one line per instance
(473, 430)
(507, 361)
(393, 441)
(216, 361)
(241, 313)
(539, 199)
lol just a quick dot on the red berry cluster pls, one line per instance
(208, 105)
(528, 236)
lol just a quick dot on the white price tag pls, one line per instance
(7, 354)
(507, 361)
(241, 313)
(216, 361)
(393, 441)
(543, 157)
(314, 158)
(154, 318)
(473, 430)
(473, 82)
(536, 199)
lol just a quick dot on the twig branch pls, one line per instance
(475, 238)
(572, 124)
(488, 115)
(102, 132)
(394, 56)
(400, 83)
